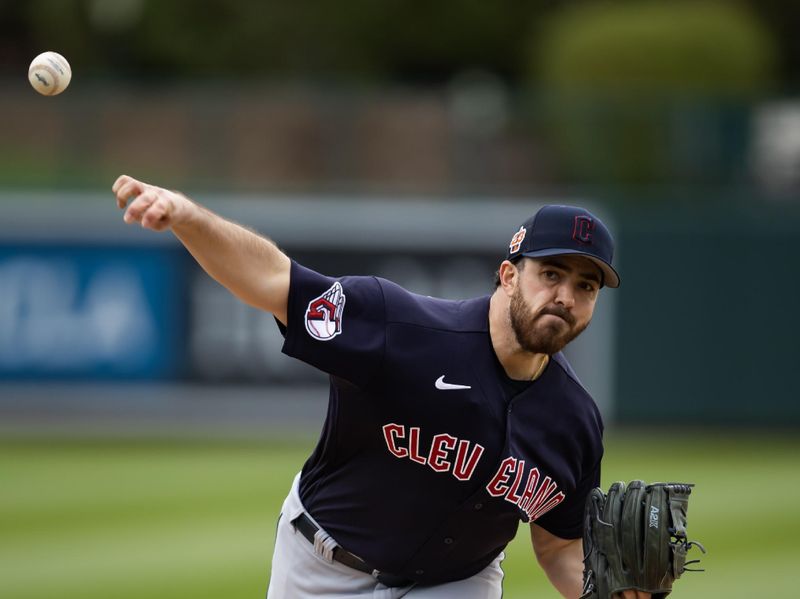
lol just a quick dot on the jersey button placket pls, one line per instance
(448, 540)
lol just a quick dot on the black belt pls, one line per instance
(308, 529)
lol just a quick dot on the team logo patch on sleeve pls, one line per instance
(324, 314)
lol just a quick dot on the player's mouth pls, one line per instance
(558, 313)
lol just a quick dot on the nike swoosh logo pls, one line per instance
(441, 385)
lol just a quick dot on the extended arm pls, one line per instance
(247, 264)
(562, 561)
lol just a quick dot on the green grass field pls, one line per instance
(173, 519)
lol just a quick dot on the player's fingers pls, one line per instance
(139, 206)
(157, 215)
(128, 189)
(121, 180)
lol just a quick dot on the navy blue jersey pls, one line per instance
(428, 460)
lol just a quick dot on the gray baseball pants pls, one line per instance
(299, 572)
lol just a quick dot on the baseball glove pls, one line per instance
(635, 538)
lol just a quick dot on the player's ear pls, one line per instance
(508, 274)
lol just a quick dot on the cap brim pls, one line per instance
(610, 276)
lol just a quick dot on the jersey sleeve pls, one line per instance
(566, 520)
(336, 325)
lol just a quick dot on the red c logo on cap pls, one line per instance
(582, 232)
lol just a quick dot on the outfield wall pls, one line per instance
(702, 331)
(708, 325)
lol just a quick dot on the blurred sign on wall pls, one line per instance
(70, 312)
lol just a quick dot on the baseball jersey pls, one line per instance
(430, 456)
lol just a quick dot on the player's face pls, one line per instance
(553, 302)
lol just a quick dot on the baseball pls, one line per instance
(49, 73)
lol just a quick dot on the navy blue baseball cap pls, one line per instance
(566, 230)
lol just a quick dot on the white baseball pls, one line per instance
(49, 73)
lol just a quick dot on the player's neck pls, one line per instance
(523, 366)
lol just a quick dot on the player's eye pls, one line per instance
(587, 286)
(550, 275)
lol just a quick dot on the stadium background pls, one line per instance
(149, 426)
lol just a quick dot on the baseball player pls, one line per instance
(449, 422)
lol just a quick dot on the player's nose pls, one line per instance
(565, 296)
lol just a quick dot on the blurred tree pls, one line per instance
(394, 40)
(783, 19)
(642, 92)
(14, 35)
(60, 25)
(401, 41)
(411, 41)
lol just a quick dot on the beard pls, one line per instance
(538, 337)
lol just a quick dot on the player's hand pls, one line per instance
(154, 207)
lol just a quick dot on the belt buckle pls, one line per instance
(324, 545)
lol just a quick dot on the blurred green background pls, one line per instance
(167, 518)
(365, 137)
